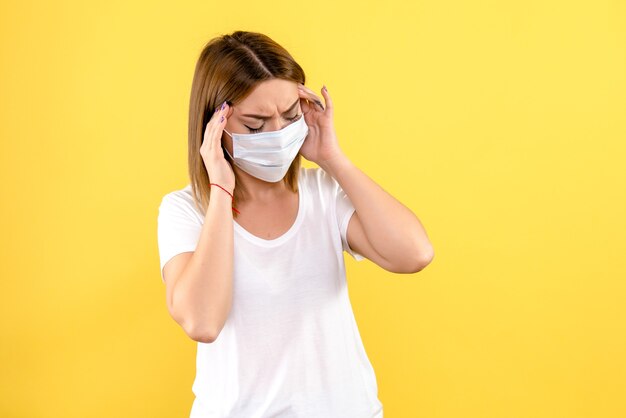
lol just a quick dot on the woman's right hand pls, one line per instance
(218, 169)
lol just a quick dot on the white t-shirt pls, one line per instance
(290, 346)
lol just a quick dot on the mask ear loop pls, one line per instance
(226, 153)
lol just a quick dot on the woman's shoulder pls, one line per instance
(315, 178)
(181, 195)
(179, 199)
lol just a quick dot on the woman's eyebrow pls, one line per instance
(269, 117)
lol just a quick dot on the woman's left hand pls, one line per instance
(321, 144)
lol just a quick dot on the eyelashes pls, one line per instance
(255, 130)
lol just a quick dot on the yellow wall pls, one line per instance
(500, 124)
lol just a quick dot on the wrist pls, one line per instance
(333, 164)
(215, 186)
(222, 194)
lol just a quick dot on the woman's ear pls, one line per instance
(230, 111)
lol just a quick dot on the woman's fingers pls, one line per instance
(327, 99)
(213, 134)
(311, 95)
(221, 119)
(306, 106)
(210, 139)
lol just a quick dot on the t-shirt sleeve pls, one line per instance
(344, 209)
(178, 228)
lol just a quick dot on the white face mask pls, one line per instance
(268, 155)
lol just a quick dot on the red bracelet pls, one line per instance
(231, 196)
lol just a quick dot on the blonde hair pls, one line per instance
(228, 69)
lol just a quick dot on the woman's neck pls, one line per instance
(257, 190)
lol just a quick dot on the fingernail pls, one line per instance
(222, 118)
(324, 87)
(217, 109)
(223, 105)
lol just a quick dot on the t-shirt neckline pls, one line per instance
(288, 234)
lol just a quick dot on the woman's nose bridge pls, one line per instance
(276, 123)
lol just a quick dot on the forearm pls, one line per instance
(202, 296)
(391, 228)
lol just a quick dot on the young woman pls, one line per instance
(252, 248)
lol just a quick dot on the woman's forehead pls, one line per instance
(264, 109)
(270, 95)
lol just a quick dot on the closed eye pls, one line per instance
(255, 130)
